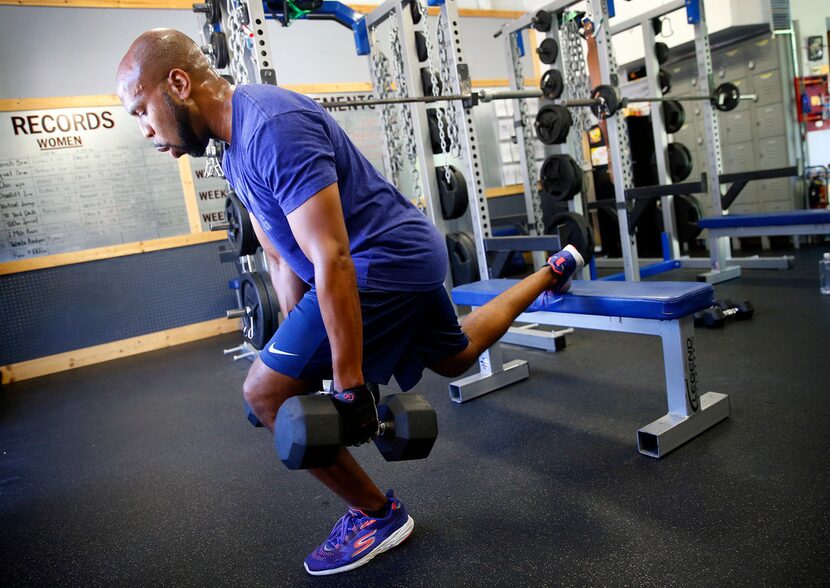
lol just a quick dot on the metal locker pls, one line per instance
(770, 120)
(739, 157)
(771, 152)
(775, 190)
(761, 55)
(767, 87)
(738, 125)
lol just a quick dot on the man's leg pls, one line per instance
(487, 324)
(265, 390)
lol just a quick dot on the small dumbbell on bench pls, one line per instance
(715, 317)
(308, 432)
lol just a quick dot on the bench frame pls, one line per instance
(689, 412)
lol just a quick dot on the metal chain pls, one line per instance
(440, 113)
(444, 48)
(380, 72)
(530, 155)
(239, 41)
(408, 125)
(576, 79)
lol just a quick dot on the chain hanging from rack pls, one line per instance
(441, 116)
(239, 40)
(576, 79)
(527, 125)
(444, 50)
(380, 72)
(408, 125)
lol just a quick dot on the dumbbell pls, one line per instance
(309, 430)
(715, 317)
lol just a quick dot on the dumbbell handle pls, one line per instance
(730, 311)
(238, 312)
(201, 7)
(223, 226)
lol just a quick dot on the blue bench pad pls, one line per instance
(766, 219)
(650, 300)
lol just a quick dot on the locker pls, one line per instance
(738, 127)
(739, 157)
(771, 152)
(761, 55)
(767, 87)
(775, 190)
(770, 120)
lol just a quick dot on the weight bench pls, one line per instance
(791, 222)
(664, 309)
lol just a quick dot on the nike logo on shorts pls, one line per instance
(276, 351)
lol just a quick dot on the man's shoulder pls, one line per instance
(266, 101)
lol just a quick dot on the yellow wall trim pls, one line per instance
(36, 263)
(187, 4)
(53, 364)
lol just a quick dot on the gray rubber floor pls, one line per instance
(144, 471)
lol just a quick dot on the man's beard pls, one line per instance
(191, 143)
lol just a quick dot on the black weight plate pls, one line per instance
(726, 97)
(240, 230)
(674, 116)
(415, 11)
(687, 213)
(553, 123)
(561, 177)
(421, 46)
(664, 79)
(462, 255)
(680, 161)
(548, 51)
(552, 84)
(219, 47)
(434, 133)
(273, 303)
(610, 99)
(453, 195)
(542, 21)
(426, 82)
(259, 323)
(575, 231)
(661, 50)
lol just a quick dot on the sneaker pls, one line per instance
(564, 264)
(357, 538)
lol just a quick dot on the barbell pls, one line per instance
(604, 100)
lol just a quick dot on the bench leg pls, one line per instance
(690, 413)
(493, 375)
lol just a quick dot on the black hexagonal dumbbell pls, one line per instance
(309, 430)
(715, 317)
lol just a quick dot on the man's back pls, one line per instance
(285, 148)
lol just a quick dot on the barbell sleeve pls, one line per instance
(238, 312)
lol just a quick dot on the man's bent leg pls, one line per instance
(487, 324)
(265, 390)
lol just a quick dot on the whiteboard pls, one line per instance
(81, 178)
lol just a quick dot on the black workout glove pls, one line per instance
(358, 413)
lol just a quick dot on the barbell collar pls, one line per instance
(221, 226)
(238, 312)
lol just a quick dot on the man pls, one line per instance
(358, 270)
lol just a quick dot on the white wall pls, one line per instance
(812, 18)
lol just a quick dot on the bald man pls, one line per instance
(359, 271)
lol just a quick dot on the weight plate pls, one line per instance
(680, 161)
(542, 21)
(661, 50)
(463, 260)
(664, 79)
(453, 195)
(219, 49)
(553, 123)
(552, 84)
(573, 229)
(434, 133)
(260, 324)
(421, 46)
(687, 213)
(674, 116)
(611, 102)
(726, 97)
(240, 230)
(561, 177)
(548, 51)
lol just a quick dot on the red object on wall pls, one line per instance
(813, 102)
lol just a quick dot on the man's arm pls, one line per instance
(320, 230)
(288, 285)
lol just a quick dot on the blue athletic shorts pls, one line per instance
(403, 332)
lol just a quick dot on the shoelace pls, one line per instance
(347, 524)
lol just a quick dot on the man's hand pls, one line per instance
(358, 413)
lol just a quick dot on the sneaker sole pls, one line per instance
(393, 540)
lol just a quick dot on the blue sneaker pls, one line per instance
(564, 264)
(357, 538)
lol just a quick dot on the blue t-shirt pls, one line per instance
(284, 149)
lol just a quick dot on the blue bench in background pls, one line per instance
(791, 222)
(664, 309)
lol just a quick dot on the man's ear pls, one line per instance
(179, 83)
